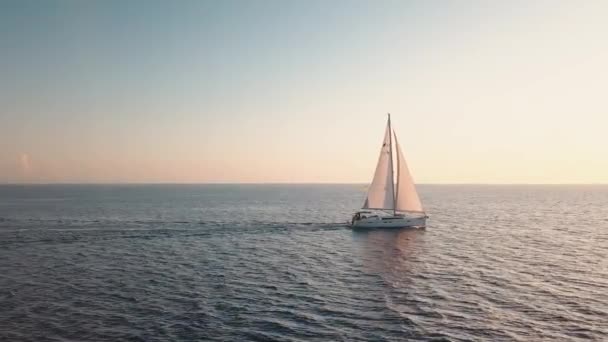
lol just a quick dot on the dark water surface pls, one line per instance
(276, 262)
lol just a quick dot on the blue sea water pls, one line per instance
(277, 262)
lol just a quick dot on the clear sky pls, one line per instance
(298, 91)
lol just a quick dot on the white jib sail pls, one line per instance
(406, 196)
(381, 194)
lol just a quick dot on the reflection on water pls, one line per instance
(393, 254)
(396, 258)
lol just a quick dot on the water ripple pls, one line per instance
(495, 263)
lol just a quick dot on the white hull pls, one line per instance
(389, 222)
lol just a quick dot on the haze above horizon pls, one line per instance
(298, 91)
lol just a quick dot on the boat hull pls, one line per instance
(389, 222)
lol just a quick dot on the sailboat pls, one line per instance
(391, 202)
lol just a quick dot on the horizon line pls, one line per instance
(270, 183)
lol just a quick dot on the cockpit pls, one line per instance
(360, 215)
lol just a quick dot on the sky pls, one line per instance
(298, 91)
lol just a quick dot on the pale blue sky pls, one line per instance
(297, 91)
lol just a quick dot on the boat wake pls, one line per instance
(71, 224)
(70, 231)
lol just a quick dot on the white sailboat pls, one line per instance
(390, 203)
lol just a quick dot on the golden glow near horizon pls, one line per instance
(490, 93)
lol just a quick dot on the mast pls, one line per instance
(390, 147)
(398, 171)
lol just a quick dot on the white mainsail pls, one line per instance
(386, 194)
(406, 195)
(381, 194)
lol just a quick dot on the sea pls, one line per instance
(222, 262)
